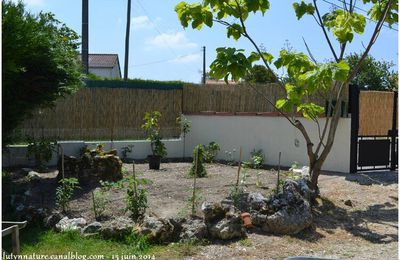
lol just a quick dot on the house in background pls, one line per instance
(105, 65)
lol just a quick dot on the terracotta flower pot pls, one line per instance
(246, 220)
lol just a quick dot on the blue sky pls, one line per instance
(161, 49)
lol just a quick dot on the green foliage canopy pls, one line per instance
(308, 76)
(39, 63)
(373, 74)
(259, 74)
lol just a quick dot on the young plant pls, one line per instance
(126, 150)
(136, 197)
(196, 197)
(152, 128)
(185, 126)
(65, 191)
(198, 168)
(99, 198)
(41, 150)
(237, 191)
(257, 160)
(230, 157)
(210, 152)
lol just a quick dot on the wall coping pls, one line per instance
(261, 114)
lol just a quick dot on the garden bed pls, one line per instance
(355, 218)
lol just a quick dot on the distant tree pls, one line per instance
(259, 74)
(39, 63)
(373, 74)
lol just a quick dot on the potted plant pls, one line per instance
(152, 129)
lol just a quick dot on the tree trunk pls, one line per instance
(315, 171)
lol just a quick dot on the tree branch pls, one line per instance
(321, 23)
(272, 103)
(309, 51)
(374, 36)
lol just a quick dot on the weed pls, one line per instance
(245, 242)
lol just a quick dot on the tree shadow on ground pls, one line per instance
(359, 223)
(369, 177)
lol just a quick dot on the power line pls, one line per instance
(328, 2)
(157, 29)
(163, 61)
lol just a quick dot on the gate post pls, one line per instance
(354, 92)
(393, 134)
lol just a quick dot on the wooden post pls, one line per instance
(240, 166)
(15, 240)
(134, 179)
(196, 160)
(279, 171)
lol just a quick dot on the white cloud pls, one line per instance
(143, 22)
(187, 59)
(172, 40)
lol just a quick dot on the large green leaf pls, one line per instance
(302, 9)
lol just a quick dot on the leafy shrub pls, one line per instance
(126, 150)
(99, 197)
(184, 124)
(41, 150)
(199, 170)
(210, 151)
(136, 198)
(152, 129)
(257, 160)
(65, 191)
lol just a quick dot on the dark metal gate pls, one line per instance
(372, 152)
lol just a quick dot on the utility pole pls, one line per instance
(128, 28)
(203, 81)
(85, 36)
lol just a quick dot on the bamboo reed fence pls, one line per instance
(117, 113)
(375, 112)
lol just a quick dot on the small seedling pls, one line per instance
(136, 197)
(99, 198)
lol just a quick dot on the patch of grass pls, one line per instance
(175, 250)
(245, 242)
(48, 242)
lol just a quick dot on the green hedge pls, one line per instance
(135, 83)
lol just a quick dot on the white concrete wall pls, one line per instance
(16, 154)
(106, 72)
(271, 134)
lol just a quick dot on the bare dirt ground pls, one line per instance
(365, 228)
